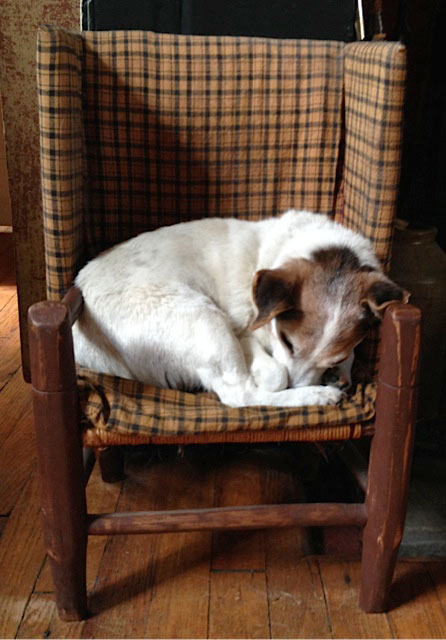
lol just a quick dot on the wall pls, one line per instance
(19, 20)
(5, 202)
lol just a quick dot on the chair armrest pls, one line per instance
(74, 302)
(400, 346)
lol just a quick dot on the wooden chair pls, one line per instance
(140, 130)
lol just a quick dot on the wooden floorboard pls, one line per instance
(297, 604)
(239, 605)
(187, 585)
(340, 580)
(17, 446)
(416, 603)
(21, 557)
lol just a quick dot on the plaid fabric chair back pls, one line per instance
(140, 130)
(185, 127)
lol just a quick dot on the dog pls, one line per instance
(255, 311)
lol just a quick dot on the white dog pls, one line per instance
(254, 311)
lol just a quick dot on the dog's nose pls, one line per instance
(343, 382)
(335, 378)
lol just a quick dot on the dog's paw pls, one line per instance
(323, 395)
(273, 376)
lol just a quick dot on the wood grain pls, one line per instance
(181, 565)
(414, 605)
(17, 444)
(21, 557)
(42, 621)
(238, 483)
(236, 518)
(121, 595)
(9, 317)
(437, 572)
(296, 598)
(341, 589)
(238, 605)
(9, 341)
(16, 405)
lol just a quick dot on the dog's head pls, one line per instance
(319, 309)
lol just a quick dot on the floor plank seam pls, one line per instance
(238, 571)
(25, 608)
(151, 567)
(3, 307)
(268, 602)
(32, 471)
(330, 626)
(211, 559)
(10, 378)
(389, 620)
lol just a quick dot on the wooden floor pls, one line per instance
(186, 585)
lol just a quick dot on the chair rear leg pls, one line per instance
(111, 463)
(391, 455)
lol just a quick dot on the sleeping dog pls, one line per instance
(254, 311)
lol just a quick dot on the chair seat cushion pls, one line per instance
(119, 411)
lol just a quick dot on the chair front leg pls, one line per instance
(391, 454)
(59, 453)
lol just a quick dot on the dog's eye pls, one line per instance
(286, 342)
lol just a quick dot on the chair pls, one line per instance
(140, 130)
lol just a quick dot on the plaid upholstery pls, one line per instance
(130, 408)
(62, 151)
(140, 130)
(374, 100)
(183, 127)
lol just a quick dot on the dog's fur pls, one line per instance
(255, 311)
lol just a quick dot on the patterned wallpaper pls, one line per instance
(19, 20)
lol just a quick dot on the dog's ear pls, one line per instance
(274, 292)
(381, 292)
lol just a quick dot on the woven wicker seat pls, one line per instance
(140, 130)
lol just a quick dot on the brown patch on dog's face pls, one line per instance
(276, 291)
(322, 308)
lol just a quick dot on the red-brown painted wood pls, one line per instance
(390, 459)
(238, 518)
(59, 452)
(74, 302)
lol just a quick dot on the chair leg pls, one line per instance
(390, 457)
(64, 510)
(59, 452)
(111, 463)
